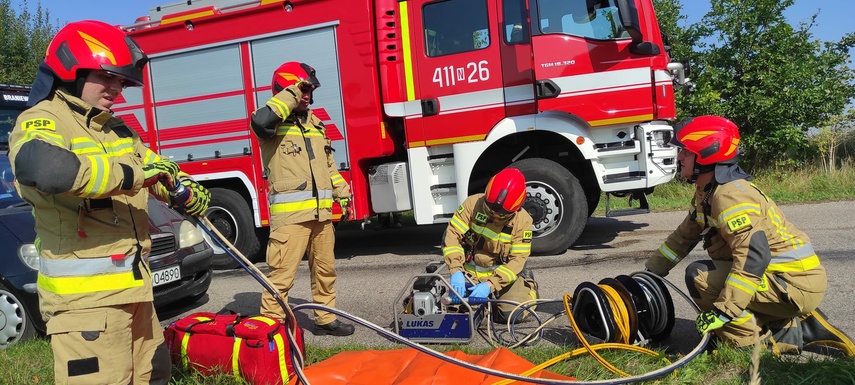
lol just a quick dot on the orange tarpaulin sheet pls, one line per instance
(411, 367)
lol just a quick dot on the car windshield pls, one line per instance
(8, 193)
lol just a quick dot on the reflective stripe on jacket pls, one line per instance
(499, 249)
(91, 217)
(747, 228)
(302, 176)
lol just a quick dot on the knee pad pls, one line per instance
(692, 272)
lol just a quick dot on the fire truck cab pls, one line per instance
(424, 100)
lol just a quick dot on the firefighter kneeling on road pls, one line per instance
(488, 240)
(763, 273)
(88, 177)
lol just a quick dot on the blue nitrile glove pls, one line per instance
(481, 290)
(458, 282)
(710, 320)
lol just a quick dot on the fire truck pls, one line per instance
(424, 101)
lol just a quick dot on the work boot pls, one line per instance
(787, 337)
(817, 331)
(335, 328)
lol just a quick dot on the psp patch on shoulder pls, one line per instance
(460, 209)
(739, 223)
(481, 217)
(526, 236)
(38, 124)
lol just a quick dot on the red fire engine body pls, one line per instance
(424, 101)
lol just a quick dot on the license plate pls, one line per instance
(162, 277)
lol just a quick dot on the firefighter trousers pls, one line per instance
(776, 308)
(120, 344)
(285, 249)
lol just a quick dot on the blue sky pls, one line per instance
(833, 20)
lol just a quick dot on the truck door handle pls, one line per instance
(430, 107)
(547, 89)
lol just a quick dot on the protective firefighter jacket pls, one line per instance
(744, 226)
(80, 169)
(298, 160)
(497, 249)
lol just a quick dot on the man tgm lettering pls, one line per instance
(445, 95)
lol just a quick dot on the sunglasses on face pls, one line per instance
(107, 77)
(497, 213)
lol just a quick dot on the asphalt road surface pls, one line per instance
(374, 266)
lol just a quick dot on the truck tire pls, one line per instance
(557, 204)
(231, 215)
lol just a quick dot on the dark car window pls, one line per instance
(7, 119)
(8, 193)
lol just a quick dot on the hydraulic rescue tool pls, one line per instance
(626, 309)
(429, 310)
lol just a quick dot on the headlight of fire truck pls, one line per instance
(662, 137)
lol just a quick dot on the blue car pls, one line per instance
(180, 259)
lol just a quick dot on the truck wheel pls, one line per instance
(232, 217)
(593, 197)
(557, 204)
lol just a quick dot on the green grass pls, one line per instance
(31, 362)
(808, 185)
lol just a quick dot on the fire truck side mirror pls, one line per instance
(645, 48)
(629, 20)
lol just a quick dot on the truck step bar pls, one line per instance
(640, 196)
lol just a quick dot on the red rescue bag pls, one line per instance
(253, 348)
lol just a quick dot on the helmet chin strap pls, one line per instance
(697, 170)
(701, 170)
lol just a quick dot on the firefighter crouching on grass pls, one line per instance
(764, 273)
(88, 177)
(303, 181)
(488, 240)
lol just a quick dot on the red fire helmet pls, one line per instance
(95, 45)
(291, 73)
(713, 139)
(505, 192)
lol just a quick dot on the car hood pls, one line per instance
(11, 219)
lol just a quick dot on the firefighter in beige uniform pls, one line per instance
(86, 174)
(303, 181)
(488, 241)
(763, 271)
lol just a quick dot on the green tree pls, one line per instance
(24, 37)
(680, 41)
(672, 25)
(772, 79)
(831, 138)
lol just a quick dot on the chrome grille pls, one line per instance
(162, 244)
